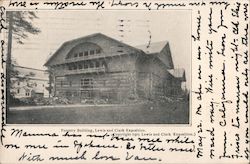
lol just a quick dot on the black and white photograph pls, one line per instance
(98, 67)
(124, 81)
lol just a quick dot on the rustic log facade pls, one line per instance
(98, 67)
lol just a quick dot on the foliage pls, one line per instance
(22, 24)
(39, 101)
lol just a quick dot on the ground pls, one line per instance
(149, 113)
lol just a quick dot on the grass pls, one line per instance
(164, 113)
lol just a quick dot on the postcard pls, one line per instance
(121, 81)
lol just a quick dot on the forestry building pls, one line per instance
(99, 68)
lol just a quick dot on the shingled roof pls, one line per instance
(161, 50)
(151, 48)
(115, 47)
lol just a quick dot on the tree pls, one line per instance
(19, 25)
(50, 87)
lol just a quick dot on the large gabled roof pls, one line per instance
(113, 48)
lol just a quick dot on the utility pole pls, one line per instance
(8, 60)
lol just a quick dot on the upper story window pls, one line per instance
(97, 64)
(91, 65)
(92, 52)
(85, 66)
(83, 49)
(103, 64)
(98, 51)
(86, 53)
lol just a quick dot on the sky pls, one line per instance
(60, 26)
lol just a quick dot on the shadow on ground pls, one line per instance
(160, 113)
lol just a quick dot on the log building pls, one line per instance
(98, 67)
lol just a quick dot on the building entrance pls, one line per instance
(86, 89)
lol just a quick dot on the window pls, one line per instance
(92, 52)
(98, 51)
(18, 83)
(61, 83)
(86, 53)
(102, 63)
(82, 82)
(97, 64)
(27, 93)
(74, 67)
(80, 54)
(68, 94)
(70, 68)
(70, 83)
(91, 65)
(86, 66)
(80, 66)
(86, 83)
(75, 55)
(70, 56)
(18, 90)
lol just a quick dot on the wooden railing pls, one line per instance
(82, 71)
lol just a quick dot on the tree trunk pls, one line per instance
(8, 61)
